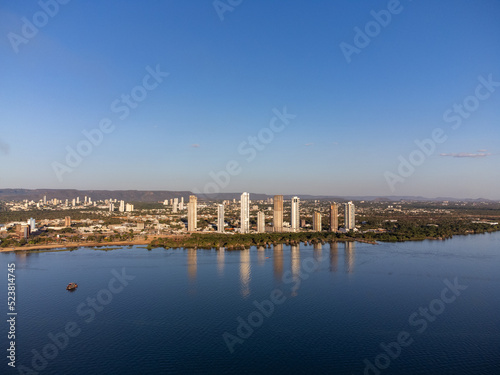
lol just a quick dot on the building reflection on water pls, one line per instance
(245, 272)
(349, 257)
(317, 249)
(221, 261)
(278, 261)
(334, 256)
(261, 255)
(295, 260)
(192, 264)
(22, 257)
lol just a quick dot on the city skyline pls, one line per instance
(367, 107)
(231, 186)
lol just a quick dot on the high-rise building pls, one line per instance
(349, 216)
(111, 207)
(23, 230)
(334, 217)
(192, 214)
(73, 202)
(44, 199)
(175, 205)
(31, 223)
(295, 221)
(122, 206)
(317, 222)
(77, 200)
(85, 201)
(67, 221)
(181, 204)
(261, 222)
(220, 218)
(129, 207)
(278, 213)
(245, 212)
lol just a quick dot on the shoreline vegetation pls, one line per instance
(243, 241)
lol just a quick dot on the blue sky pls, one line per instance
(354, 120)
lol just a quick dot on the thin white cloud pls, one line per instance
(482, 150)
(195, 145)
(468, 155)
(308, 144)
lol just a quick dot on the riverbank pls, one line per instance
(238, 241)
(74, 245)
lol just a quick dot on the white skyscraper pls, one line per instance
(349, 216)
(77, 200)
(245, 212)
(220, 218)
(31, 223)
(175, 205)
(261, 222)
(181, 205)
(122, 206)
(295, 221)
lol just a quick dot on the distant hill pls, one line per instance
(126, 195)
(157, 195)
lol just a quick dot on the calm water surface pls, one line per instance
(327, 309)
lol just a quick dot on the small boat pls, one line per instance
(72, 286)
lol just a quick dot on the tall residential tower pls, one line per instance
(349, 216)
(317, 222)
(192, 213)
(334, 217)
(220, 218)
(261, 222)
(278, 213)
(295, 214)
(245, 212)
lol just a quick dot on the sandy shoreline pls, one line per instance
(72, 245)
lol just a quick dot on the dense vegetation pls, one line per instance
(396, 232)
